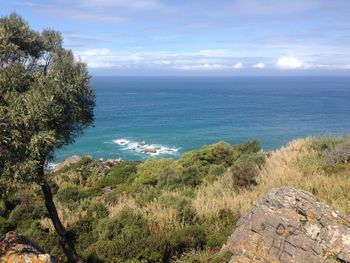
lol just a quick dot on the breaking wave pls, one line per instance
(143, 148)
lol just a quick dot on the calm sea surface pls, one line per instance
(177, 114)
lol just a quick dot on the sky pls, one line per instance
(198, 37)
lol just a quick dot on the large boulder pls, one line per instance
(17, 248)
(289, 225)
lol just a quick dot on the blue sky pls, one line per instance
(199, 37)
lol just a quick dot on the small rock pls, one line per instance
(150, 150)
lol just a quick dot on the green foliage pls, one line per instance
(45, 100)
(219, 227)
(98, 211)
(47, 240)
(92, 190)
(185, 211)
(219, 153)
(186, 239)
(26, 212)
(123, 173)
(206, 256)
(244, 174)
(215, 171)
(148, 172)
(5, 226)
(71, 194)
(172, 179)
(249, 151)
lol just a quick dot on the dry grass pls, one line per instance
(294, 165)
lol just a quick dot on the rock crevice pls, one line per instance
(290, 226)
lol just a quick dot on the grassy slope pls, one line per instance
(148, 211)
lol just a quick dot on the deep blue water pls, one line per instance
(189, 112)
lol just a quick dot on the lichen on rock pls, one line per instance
(288, 226)
(16, 248)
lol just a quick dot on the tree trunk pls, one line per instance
(67, 245)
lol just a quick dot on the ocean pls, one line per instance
(167, 116)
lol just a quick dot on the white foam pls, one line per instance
(147, 149)
(121, 141)
(51, 167)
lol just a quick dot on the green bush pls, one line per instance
(206, 256)
(188, 176)
(123, 173)
(149, 171)
(219, 227)
(219, 153)
(244, 174)
(215, 171)
(48, 240)
(186, 213)
(71, 194)
(126, 225)
(27, 212)
(98, 211)
(5, 227)
(186, 239)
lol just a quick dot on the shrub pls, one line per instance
(120, 174)
(126, 225)
(149, 171)
(101, 251)
(27, 212)
(206, 256)
(47, 240)
(219, 153)
(339, 154)
(5, 227)
(219, 227)
(147, 194)
(320, 144)
(244, 174)
(249, 151)
(215, 171)
(252, 146)
(188, 176)
(71, 194)
(186, 213)
(98, 211)
(186, 239)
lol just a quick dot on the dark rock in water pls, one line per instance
(17, 248)
(150, 150)
(288, 226)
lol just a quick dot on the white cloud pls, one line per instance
(259, 65)
(291, 63)
(204, 67)
(238, 65)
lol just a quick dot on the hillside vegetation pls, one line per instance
(167, 210)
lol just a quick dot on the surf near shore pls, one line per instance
(142, 147)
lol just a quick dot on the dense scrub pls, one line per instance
(137, 211)
(167, 210)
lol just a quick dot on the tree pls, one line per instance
(46, 100)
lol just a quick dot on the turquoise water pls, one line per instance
(177, 114)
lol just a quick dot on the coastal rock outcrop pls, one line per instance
(71, 160)
(289, 225)
(17, 248)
